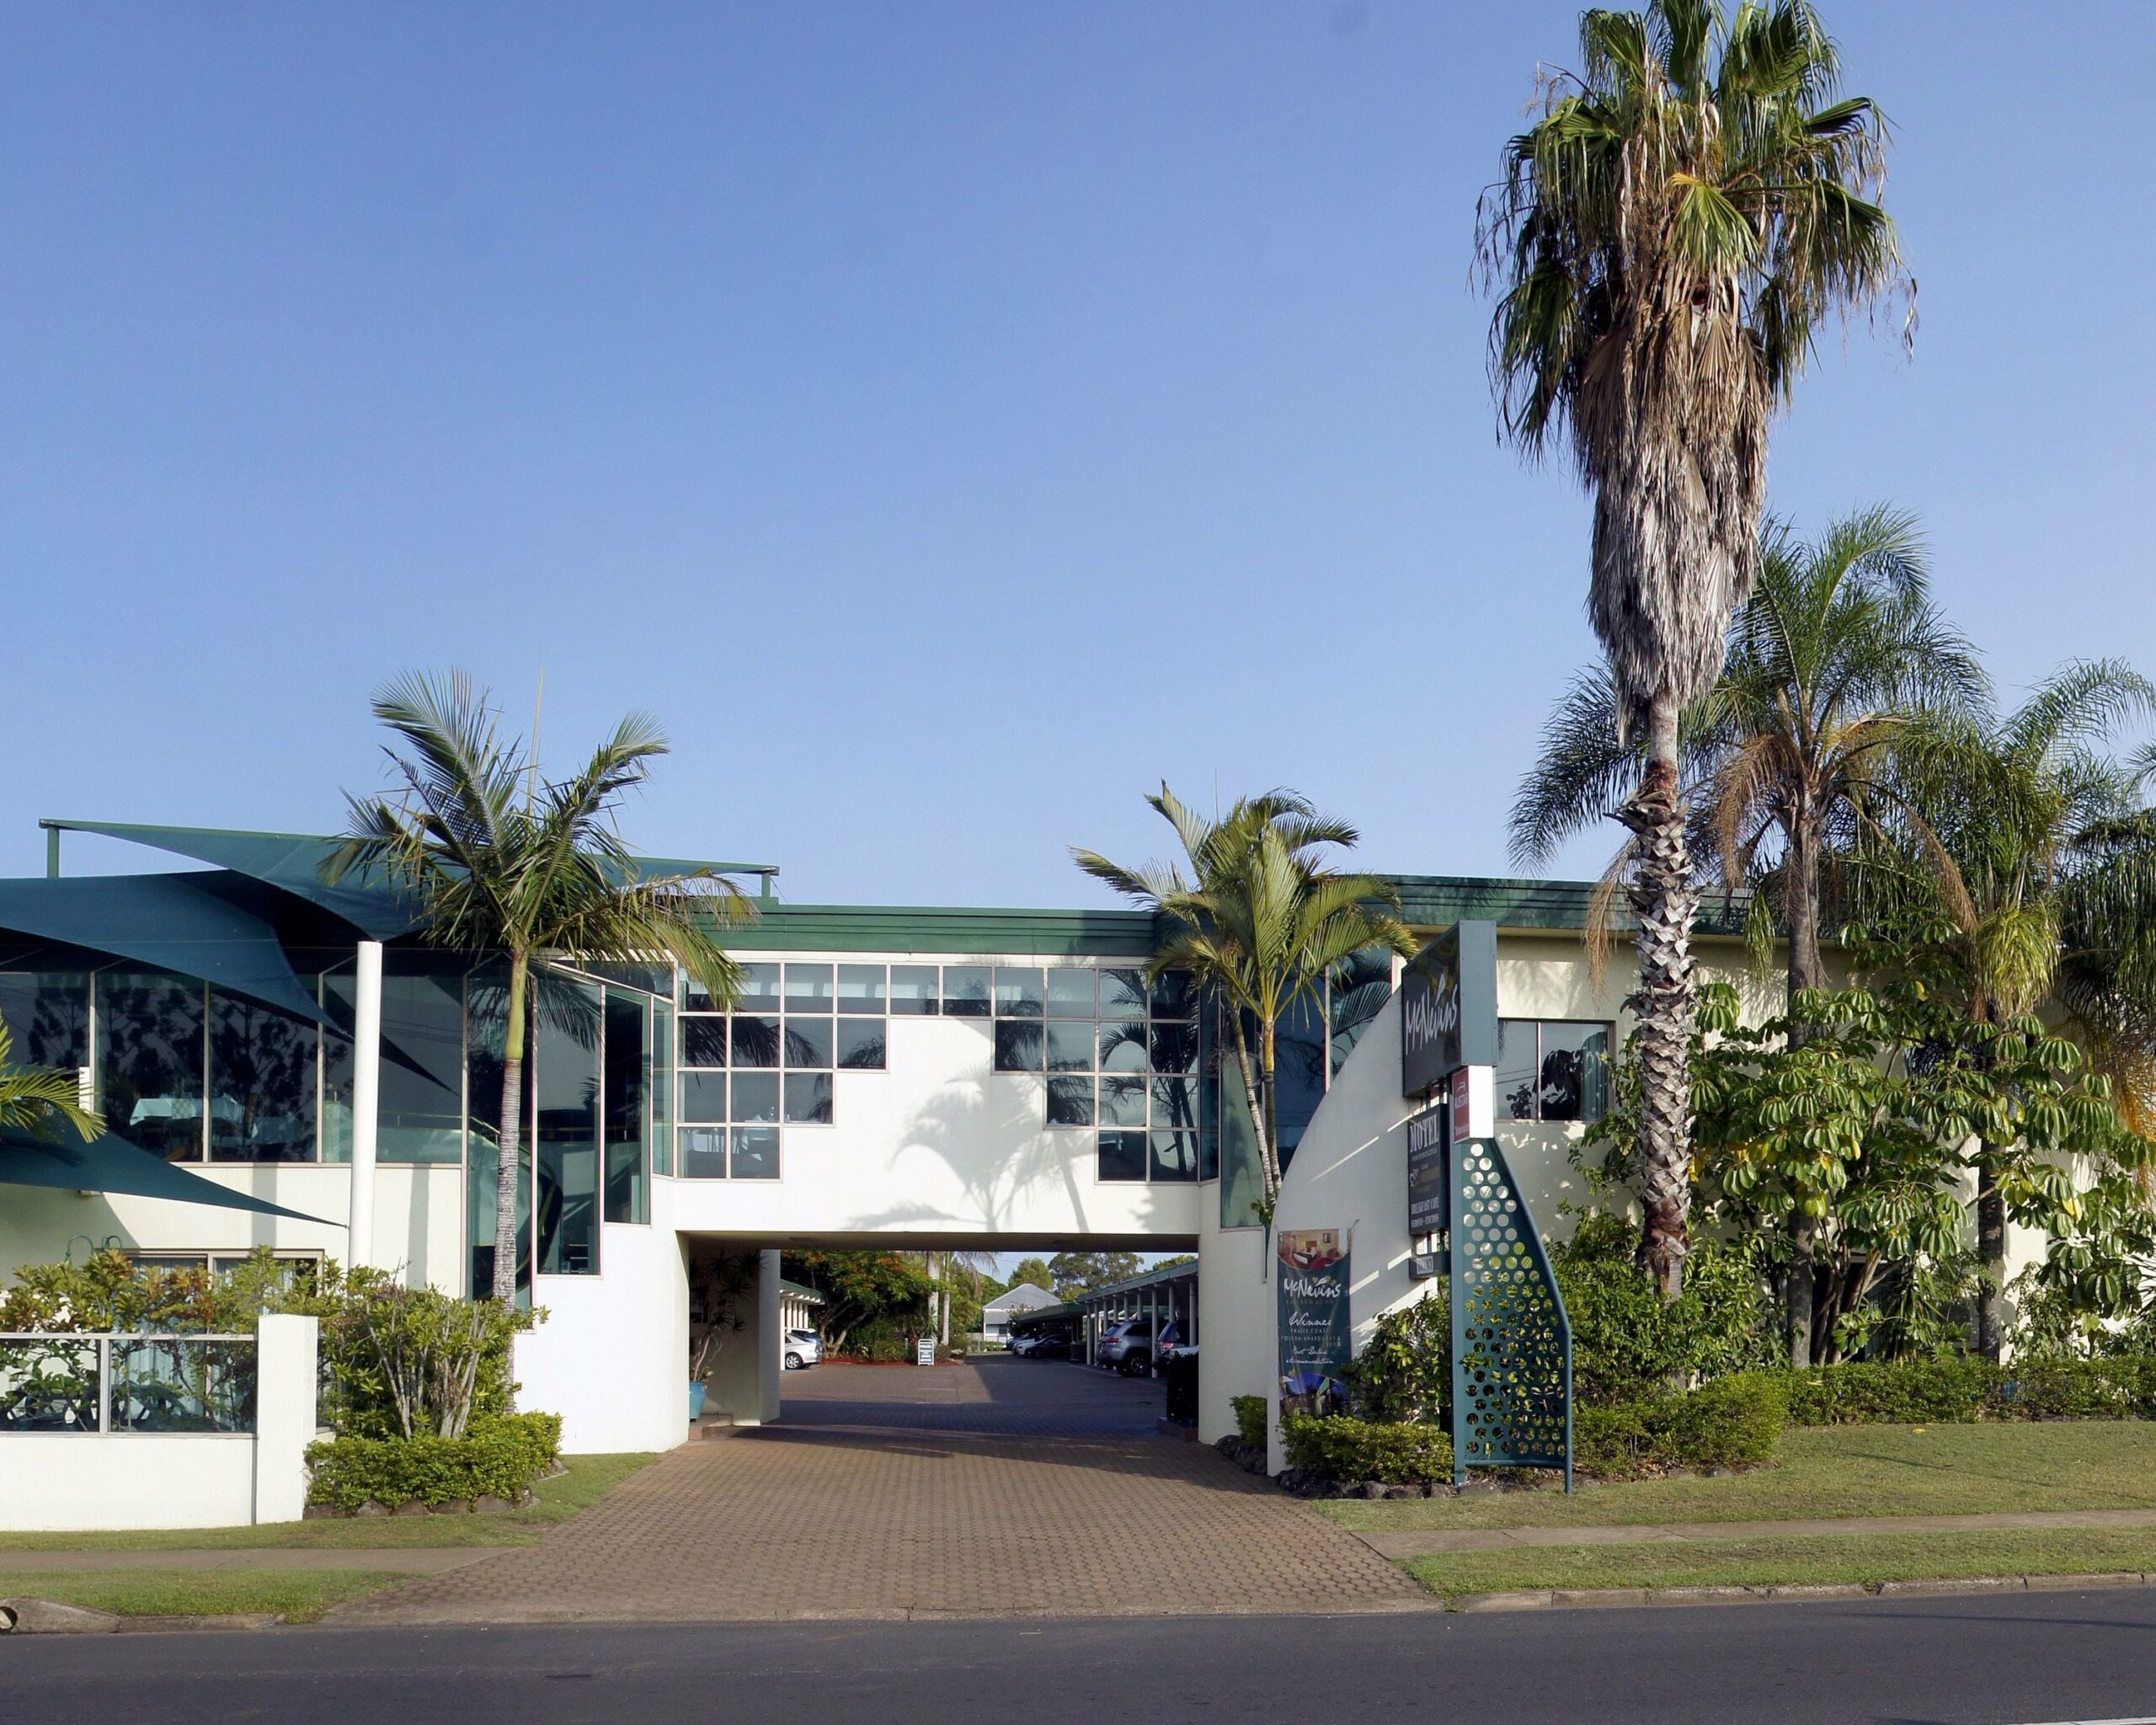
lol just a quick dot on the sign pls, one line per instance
(1449, 1007)
(1474, 1103)
(1428, 1207)
(923, 1350)
(1315, 1339)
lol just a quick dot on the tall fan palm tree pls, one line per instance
(2009, 880)
(505, 862)
(33, 1098)
(1259, 921)
(1835, 656)
(1670, 233)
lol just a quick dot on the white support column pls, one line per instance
(366, 1102)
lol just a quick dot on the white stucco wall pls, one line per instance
(612, 1355)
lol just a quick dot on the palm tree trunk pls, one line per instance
(1990, 1251)
(1267, 1177)
(512, 1136)
(1663, 898)
(1801, 908)
(1268, 1129)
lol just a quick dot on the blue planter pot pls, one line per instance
(695, 1400)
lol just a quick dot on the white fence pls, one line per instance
(140, 1429)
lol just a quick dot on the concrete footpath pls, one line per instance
(1423, 1542)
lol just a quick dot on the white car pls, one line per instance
(803, 1349)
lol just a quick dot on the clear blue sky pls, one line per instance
(949, 419)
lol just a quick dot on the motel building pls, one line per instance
(287, 1064)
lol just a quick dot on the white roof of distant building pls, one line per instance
(1024, 1297)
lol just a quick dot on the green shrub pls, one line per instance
(1628, 1342)
(1250, 1419)
(1348, 1451)
(501, 1456)
(1404, 1372)
(1733, 1422)
(1961, 1388)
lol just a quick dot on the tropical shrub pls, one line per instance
(1628, 1342)
(500, 1456)
(1404, 1372)
(1963, 1388)
(1732, 1422)
(1250, 1419)
(1336, 1447)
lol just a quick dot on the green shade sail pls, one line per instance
(213, 926)
(110, 1163)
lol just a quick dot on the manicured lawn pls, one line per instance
(585, 1480)
(298, 1595)
(1941, 1470)
(1855, 1557)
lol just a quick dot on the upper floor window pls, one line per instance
(1553, 1069)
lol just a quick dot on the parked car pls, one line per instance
(803, 1349)
(1126, 1347)
(1043, 1344)
(1171, 1344)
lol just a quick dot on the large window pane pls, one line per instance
(1122, 1046)
(1123, 1100)
(861, 990)
(1174, 1102)
(861, 1043)
(755, 1042)
(47, 1013)
(809, 1098)
(1174, 1048)
(1173, 997)
(915, 991)
(759, 988)
(1070, 1101)
(965, 991)
(1123, 993)
(658, 1084)
(703, 1152)
(1123, 1156)
(1174, 1154)
(755, 1153)
(1018, 992)
(1575, 1071)
(421, 1100)
(1017, 1046)
(261, 1083)
(149, 1062)
(1516, 1078)
(808, 1043)
(756, 1097)
(1357, 990)
(571, 1021)
(1070, 992)
(703, 1096)
(627, 1181)
(703, 1040)
(808, 988)
(1070, 1046)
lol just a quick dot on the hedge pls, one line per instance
(1959, 1390)
(1349, 1450)
(1250, 1419)
(1732, 1422)
(501, 1457)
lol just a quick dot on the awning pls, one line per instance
(110, 1163)
(202, 925)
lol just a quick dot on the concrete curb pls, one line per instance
(1552, 1599)
(22, 1615)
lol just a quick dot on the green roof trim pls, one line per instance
(1439, 900)
(920, 929)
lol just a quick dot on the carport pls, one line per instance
(1167, 1295)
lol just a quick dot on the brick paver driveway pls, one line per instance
(1005, 1488)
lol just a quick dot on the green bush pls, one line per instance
(1628, 1342)
(501, 1456)
(1250, 1419)
(1348, 1451)
(1404, 1374)
(1733, 1422)
(1961, 1388)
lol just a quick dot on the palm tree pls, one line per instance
(32, 1097)
(1259, 921)
(2008, 879)
(1670, 233)
(1836, 655)
(506, 863)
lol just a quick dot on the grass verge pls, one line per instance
(1832, 1470)
(298, 1595)
(584, 1480)
(1862, 1558)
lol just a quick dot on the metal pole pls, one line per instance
(52, 852)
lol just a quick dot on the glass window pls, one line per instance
(1071, 1047)
(571, 1029)
(1017, 1046)
(756, 1097)
(965, 991)
(1123, 1100)
(703, 1096)
(1356, 991)
(703, 1152)
(703, 1041)
(808, 1042)
(1070, 992)
(1122, 1046)
(1123, 1156)
(809, 1098)
(755, 1042)
(47, 1013)
(1574, 1071)
(149, 1077)
(261, 1083)
(1123, 993)
(1070, 1101)
(1515, 1079)
(486, 992)
(1174, 1154)
(755, 1153)
(659, 1085)
(422, 1099)
(861, 1043)
(1174, 1048)
(1173, 997)
(915, 991)
(1018, 992)
(1174, 1102)
(759, 991)
(860, 990)
(808, 988)
(626, 1074)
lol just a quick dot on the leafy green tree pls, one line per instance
(1076, 1272)
(1257, 923)
(1688, 206)
(1034, 1270)
(863, 1290)
(504, 862)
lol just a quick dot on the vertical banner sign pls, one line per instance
(1316, 1337)
(1428, 1206)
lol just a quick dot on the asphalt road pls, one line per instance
(1970, 1660)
